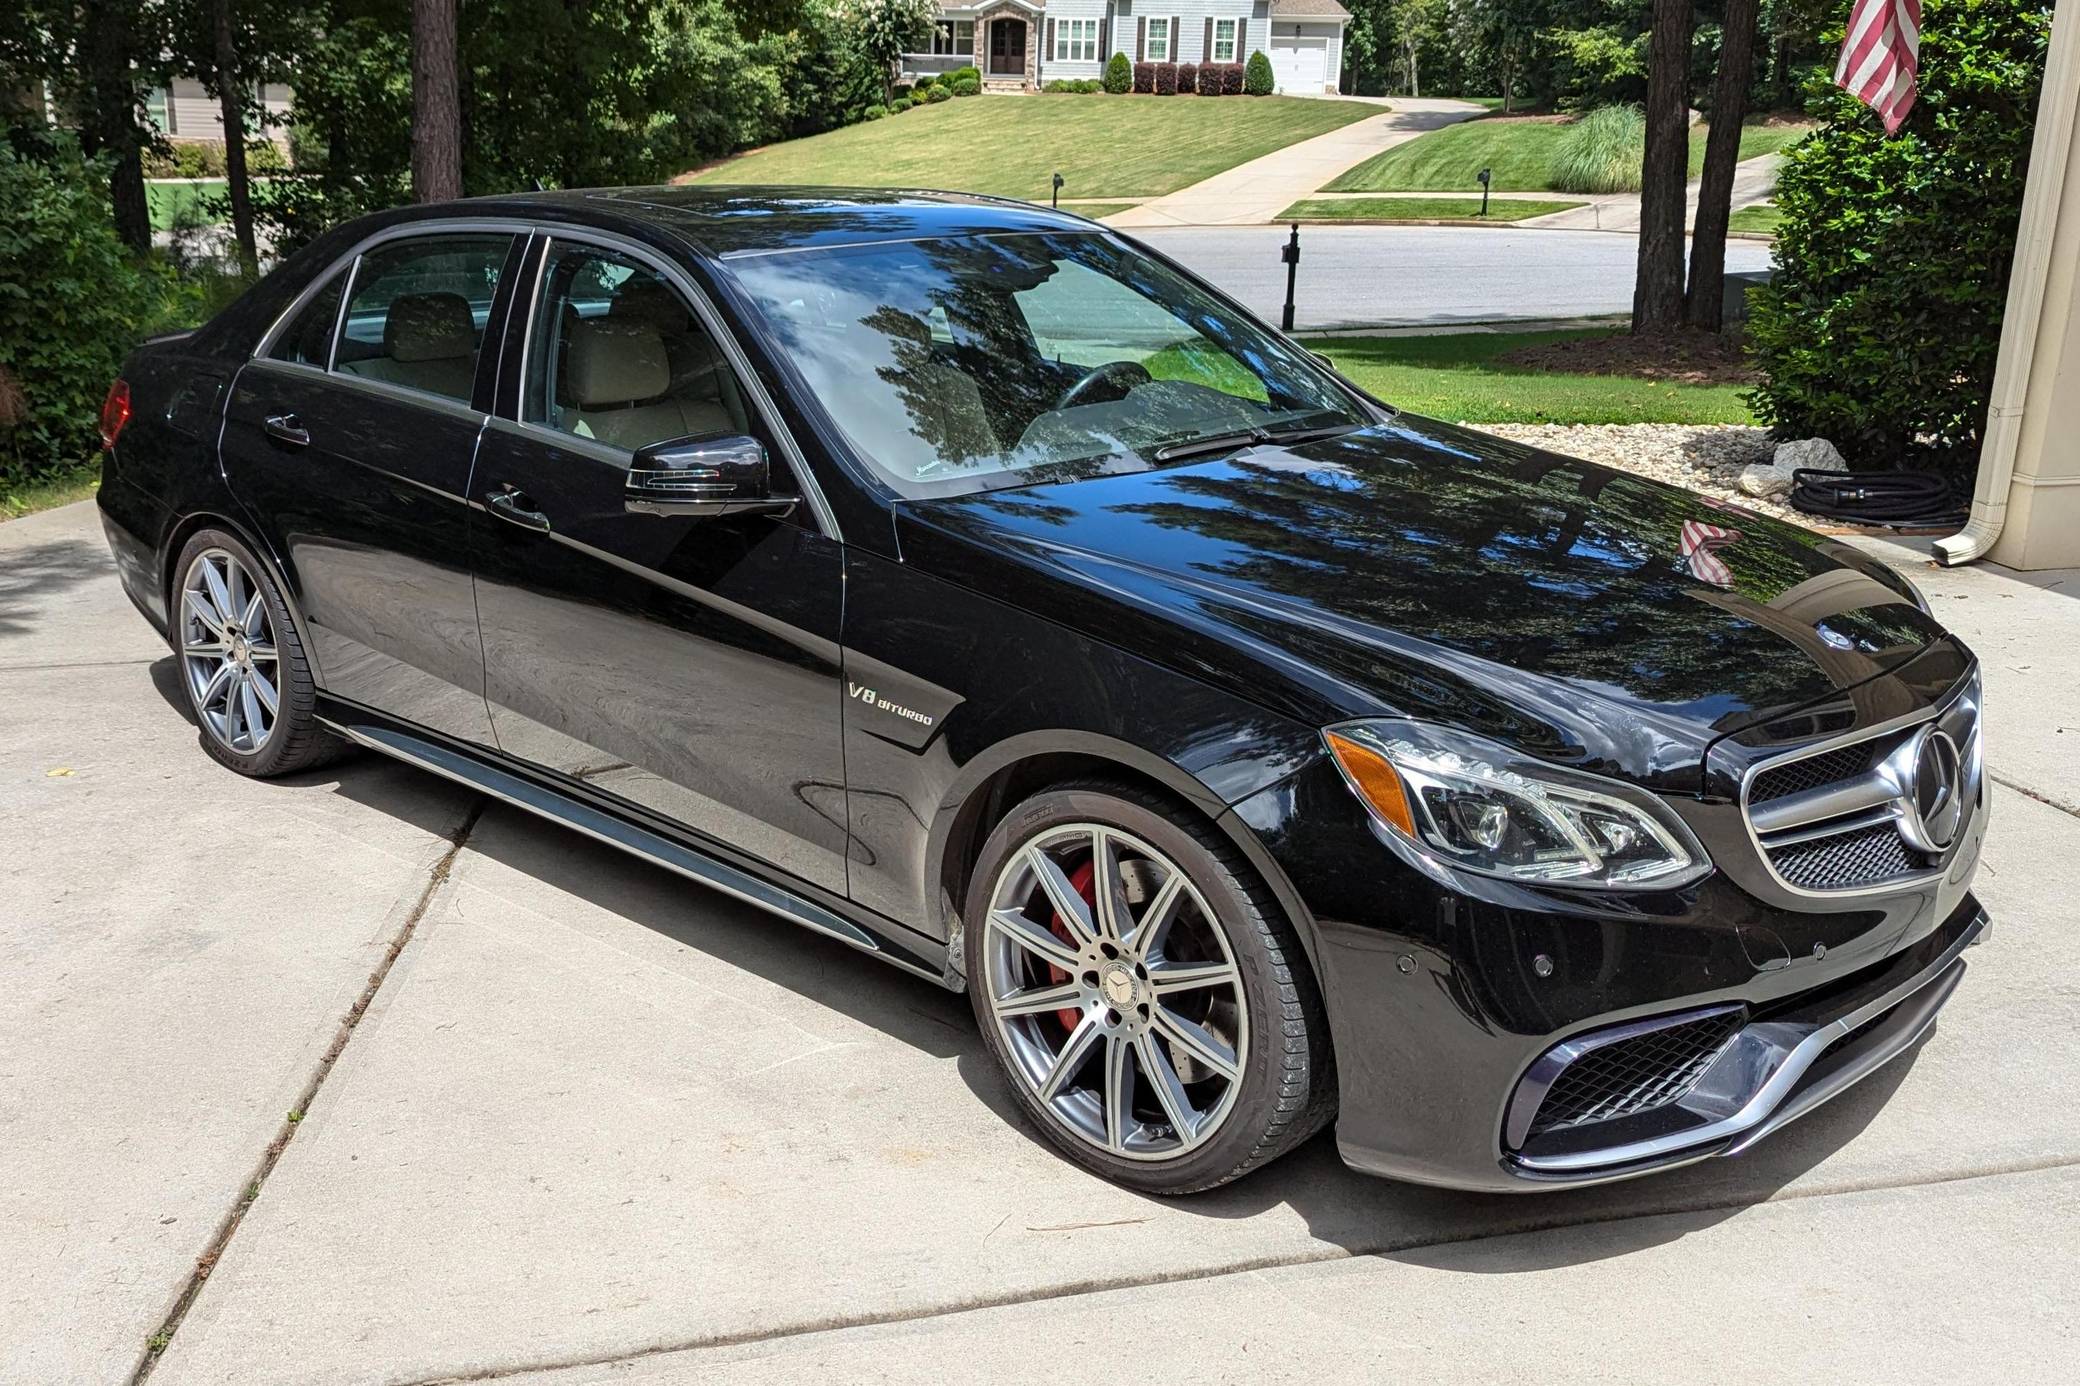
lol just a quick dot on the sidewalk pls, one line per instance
(1256, 192)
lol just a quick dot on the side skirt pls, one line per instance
(525, 790)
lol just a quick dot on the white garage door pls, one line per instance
(1300, 64)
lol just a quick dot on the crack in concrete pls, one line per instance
(2026, 792)
(79, 664)
(162, 1337)
(1322, 1256)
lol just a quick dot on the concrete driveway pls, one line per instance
(595, 1125)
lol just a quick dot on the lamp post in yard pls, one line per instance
(1290, 253)
(1054, 198)
(1483, 177)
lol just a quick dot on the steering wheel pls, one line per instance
(1125, 375)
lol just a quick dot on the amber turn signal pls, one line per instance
(1375, 780)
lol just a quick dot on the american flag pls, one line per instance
(1881, 55)
(1700, 545)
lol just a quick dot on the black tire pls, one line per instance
(1286, 1091)
(297, 740)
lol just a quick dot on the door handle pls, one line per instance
(288, 429)
(511, 505)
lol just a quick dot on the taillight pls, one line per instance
(115, 412)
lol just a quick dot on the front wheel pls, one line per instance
(1143, 992)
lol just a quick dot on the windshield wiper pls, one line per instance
(1227, 442)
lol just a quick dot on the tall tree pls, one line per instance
(1706, 297)
(890, 28)
(1657, 296)
(436, 103)
(231, 102)
(118, 51)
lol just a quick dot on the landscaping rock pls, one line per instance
(1708, 458)
(1816, 453)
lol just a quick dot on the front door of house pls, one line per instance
(1007, 47)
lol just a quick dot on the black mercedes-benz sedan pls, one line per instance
(970, 584)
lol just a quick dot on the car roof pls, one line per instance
(732, 221)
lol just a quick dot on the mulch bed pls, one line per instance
(1685, 358)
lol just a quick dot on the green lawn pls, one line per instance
(1519, 152)
(1419, 209)
(1761, 218)
(30, 497)
(1457, 377)
(1096, 210)
(1105, 146)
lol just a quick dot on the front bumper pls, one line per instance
(1446, 997)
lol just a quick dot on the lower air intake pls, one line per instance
(1634, 1075)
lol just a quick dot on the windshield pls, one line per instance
(990, 361)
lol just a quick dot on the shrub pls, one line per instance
(1119, 74)
(1187, 78)
(1166, 79)
(1232, 80)
(1071, 86)
(1144, 78)
(923, 83)
(1257, 79)
(900, 104)
(1209, 78)
(938, 94)
(72, 304)
(967, 86)
(265, 157)
(1601, 152)
(1882, 326)
(962, 73)
(874, 112)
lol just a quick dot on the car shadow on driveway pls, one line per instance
(1357, 1213)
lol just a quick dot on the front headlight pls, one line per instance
(1477, 805)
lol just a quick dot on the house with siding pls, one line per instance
(1019, 45)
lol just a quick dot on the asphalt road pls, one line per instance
(1367, 276)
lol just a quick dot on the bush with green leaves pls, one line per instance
(1257, 78)
(874, 112)
(72, 303)
(923, 83)
(967, 86)
(1072, 86)
(938, 94)
(901, 104)
(1882, 325)
(963, 74)
(1601, 152)
(1119, 74)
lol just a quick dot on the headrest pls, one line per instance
(615, 362)
(651, 302)
(429, 327)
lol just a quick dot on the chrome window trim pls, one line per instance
(380, 389)
(1896, 884)
(715, 325)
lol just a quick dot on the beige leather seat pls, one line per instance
(429, 343)
(619, 378)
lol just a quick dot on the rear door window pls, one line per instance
(418, 310)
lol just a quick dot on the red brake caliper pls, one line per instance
(1080, 881)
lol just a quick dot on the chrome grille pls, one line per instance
(1844, 817)
(1842, 861)
(1829, 767)
(1630, 1076)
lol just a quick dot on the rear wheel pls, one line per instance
(242, 666)
(1142, 991)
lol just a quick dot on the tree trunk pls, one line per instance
(1414, 87)
(1701, 307)
(109, 124)
(229, 102)
(436, 103)
(1657, 297)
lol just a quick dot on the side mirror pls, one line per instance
(704, 476)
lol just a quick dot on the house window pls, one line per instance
(158, 105)
(1224, 40)
(954, 36)
(1076, 40)
(1159, 40)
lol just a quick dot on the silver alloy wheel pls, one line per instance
(1130, 1029)
(228, 652)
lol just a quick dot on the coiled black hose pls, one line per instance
(1900, 500)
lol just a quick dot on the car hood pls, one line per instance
(1421, 569)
